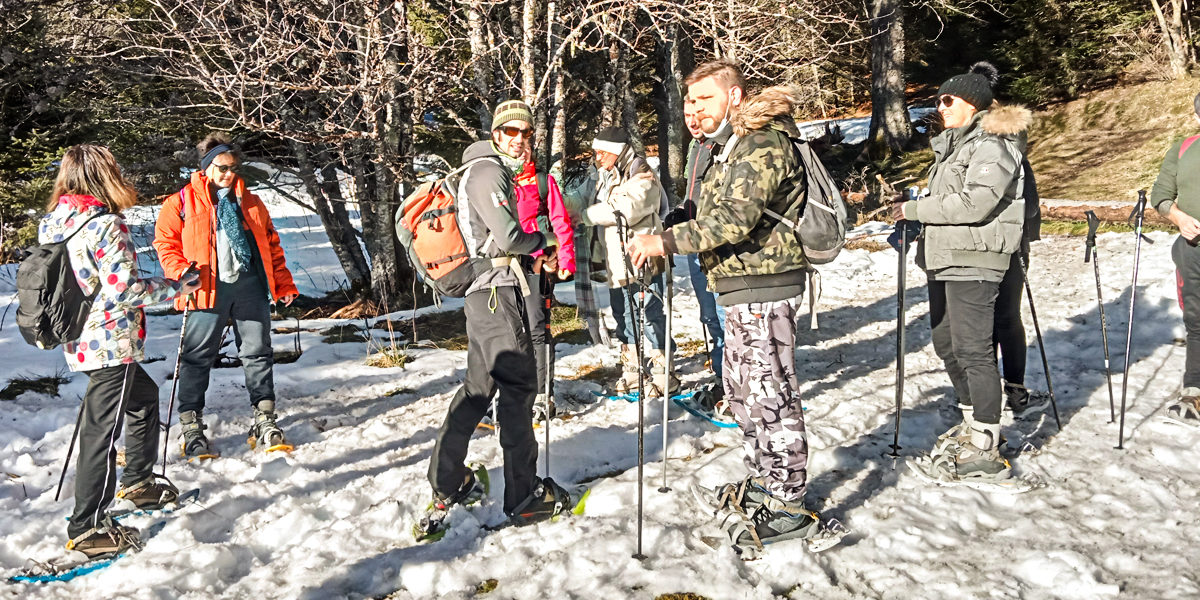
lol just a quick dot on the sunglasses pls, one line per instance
(946, 100)
(511, 131)
(223, 169)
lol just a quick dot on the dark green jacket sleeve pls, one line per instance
(1166, 188)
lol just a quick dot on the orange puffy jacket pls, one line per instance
(187, 230)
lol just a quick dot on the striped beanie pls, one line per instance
(511, 110)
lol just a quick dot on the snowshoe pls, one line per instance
(107, 540)
(743, 496)
(432, 526)
(152, 493)
(654, 381)
(1023, 402)
(777, 521)
(1186, 410)
(265, 432)
(548, 500)
(628, 382)
(977, 464)
(195, 444)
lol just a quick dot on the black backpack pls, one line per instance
(51, 307)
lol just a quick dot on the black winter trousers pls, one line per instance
(961, 314)
(499, 360)
(115, 394)
(1008, 332)
(540, 288)
(1187, 279)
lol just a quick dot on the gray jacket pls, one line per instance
(975, 211)
(486, 195)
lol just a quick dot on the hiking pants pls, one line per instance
(961, 314)
(764, 395)
(498, 361)
(114, 394)
(540, 288)
(712, 316)
(626, 313)
(1187, 279)
(246, 303)
(1008, 332)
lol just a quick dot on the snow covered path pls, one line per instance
(332, 519)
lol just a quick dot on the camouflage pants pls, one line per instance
(760, 384)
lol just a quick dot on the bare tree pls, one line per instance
(1180, 53)
(891, 129)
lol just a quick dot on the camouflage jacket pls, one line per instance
(750, 257)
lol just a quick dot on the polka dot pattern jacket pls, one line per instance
(102, 256)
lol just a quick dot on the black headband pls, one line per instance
(215, 152)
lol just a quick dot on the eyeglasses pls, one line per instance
(223, 169)
(511, 131)
(946, 100)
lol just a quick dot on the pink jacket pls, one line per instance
(531, 208)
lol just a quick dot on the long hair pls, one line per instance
(91, 170)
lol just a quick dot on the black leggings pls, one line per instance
(1008, 332)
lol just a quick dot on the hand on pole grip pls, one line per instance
(189, 280)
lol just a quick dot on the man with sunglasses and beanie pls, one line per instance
(500, 360)
(756, 265)
(1176, 196)
(973, 222)
(226, 230)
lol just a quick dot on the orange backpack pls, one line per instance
(427, 227)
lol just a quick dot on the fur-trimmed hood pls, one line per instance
(760, 110)
(1007, 120)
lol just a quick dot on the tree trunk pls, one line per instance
(890, 128)
(1178, 49)
(610, 94)
(557, 144)
(480, 65)
(672, 147)
(628, 109)
(331, 208)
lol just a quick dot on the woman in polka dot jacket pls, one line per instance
(89, 194)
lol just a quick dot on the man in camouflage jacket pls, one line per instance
(757, 266)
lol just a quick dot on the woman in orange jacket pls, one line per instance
(226, 230)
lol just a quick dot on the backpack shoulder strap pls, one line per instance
(1187, 144)
(185, 196)
(543, 187)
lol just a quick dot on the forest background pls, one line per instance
(353, 97)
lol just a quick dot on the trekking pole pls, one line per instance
(1041, 342)
(548, 297)
(901, 272)
(1139, 213)
(187, 305)
(639, 325)
(669, 350)
(70, 450)
(1090, 255)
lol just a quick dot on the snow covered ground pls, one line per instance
(332, 519)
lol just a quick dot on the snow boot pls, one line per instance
(195, 443)
(628, 382)
(107, 540)
(540, 409)
(654, 381)
(1022, 402)
(432, 526)
(950, 442)
(1187, 408)
(265, 432)
(546, 501)
(977, 458)
(774, 520)
(151, 493)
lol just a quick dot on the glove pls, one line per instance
(911, 228)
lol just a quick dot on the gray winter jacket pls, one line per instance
(975, 211)
(486, 195)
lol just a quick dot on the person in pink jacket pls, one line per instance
(540, 207)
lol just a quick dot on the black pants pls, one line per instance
(961, 314)
(540, 288)
(1187, 279)
(499, 360)
(1008, 332)
(115, 394)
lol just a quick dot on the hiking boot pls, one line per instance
(978, 457)
(195, 443)
(546, 501)
(432, 525)
(950, 442)
(1187, 408)
(107, 540)
(540, 409)
(628, 381)
(774, 520)
(151, 493)
(658, 365)
(1022, 402)
(265, 432)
